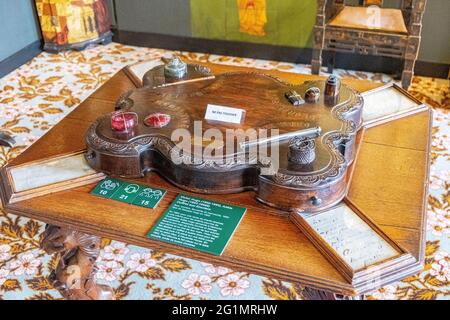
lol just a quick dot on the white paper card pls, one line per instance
(386, 102)
(49, 172)
(352, 238)
(224, 114)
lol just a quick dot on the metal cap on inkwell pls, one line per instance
(302, 147)
(175, 68)
(332, 89)
(302, 150)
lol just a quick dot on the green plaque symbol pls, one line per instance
(133, 193)
(126, 193)
(107, 187)
(149, 197)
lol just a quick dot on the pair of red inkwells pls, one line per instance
(127, 121)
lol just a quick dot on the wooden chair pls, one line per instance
(369, 30)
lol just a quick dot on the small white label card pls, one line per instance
(224, 114)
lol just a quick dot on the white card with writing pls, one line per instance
(224, 114)
(353, 239)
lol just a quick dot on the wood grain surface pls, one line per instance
(388, 185)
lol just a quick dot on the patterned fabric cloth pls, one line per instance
(37, 95)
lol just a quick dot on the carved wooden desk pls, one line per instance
(388, 185)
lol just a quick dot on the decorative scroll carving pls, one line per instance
(335, 169)
(167, 148)
(74, 274)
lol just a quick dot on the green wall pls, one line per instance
(18, 26)
(219, 19)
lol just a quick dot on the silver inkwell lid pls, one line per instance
(175, 68)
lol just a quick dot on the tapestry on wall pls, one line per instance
(73, 24)
(283, 23)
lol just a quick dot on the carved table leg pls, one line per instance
(73, 276)
(314, 294)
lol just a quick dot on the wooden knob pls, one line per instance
(315, 201)
(90, 155)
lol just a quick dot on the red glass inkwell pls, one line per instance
(157, 120)
(124, 121)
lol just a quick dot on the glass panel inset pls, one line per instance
(386, 102)
(49, 172)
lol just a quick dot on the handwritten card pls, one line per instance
(353, 239)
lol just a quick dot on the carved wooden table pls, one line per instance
(389, 186)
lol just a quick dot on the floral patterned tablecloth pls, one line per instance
(40, 93)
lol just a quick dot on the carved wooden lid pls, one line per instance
(263, 98)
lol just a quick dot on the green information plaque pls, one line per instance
(198, 224)
(133, 193)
